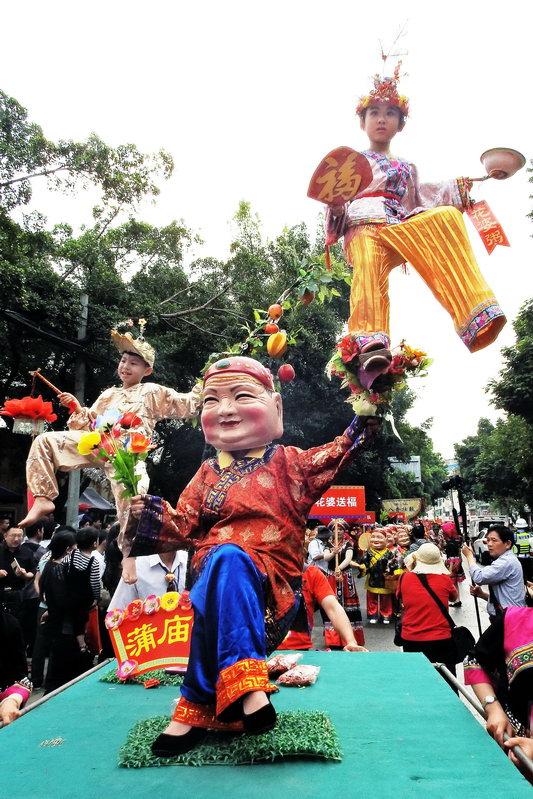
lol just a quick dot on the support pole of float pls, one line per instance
(73, 500)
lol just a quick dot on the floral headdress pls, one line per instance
(385, 91)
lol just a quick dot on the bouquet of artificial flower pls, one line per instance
(406, 362)
(114, 439)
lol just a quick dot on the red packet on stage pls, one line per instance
(340, 176)
(488, 227)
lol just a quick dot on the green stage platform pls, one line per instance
(403, 734)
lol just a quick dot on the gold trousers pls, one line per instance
(436, 244)
(53, 452)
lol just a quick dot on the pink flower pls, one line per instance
(397, 365)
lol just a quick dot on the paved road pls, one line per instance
(379, 637)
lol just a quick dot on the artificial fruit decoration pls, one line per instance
(277, 344)
(286, 373)
(275, 311)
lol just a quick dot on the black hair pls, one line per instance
(136, 354)
(33, 529)
(504, 534)
(66, 528)
(312, 523)
(60, 542)
(86, 537)
(113, 532)
(418, 531)
(323, 533)
(49, 525)
(102, 536)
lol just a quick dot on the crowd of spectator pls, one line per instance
(56, 584)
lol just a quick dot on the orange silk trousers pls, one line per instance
(436, 244)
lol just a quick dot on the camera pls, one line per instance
(454, 483)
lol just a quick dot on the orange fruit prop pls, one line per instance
(277, 344)
(275, 311)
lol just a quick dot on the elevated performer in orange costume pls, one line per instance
(244, 513)
(395, 220)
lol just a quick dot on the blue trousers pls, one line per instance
(229, 624)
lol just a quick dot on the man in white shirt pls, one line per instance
(98, 553)
(153, 577)
(316, 549)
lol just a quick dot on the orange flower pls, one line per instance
(138, 443)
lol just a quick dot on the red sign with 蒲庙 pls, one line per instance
(344, 502)
(157, 639)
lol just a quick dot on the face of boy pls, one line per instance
(132, 369)
(241, 415)
(381, 123)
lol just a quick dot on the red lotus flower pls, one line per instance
(349, 348)
(139, 442)
(29, 408)
(397, 365)
(130, 420)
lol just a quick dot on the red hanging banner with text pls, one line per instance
(488, 227)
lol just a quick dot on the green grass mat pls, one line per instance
(158, 674)
(298, 734)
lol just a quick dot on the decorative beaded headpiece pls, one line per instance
(385, 92)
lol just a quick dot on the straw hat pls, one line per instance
(428, 560)
(124, 342)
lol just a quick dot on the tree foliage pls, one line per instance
(513, 389)
(497, 464)
(123, 174)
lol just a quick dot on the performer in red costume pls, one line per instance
(244, 513)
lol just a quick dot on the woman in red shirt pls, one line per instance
(424, 627)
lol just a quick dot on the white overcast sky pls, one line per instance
(249, 96)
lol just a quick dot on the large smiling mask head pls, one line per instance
(241, 410)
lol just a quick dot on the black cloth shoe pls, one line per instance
(173, 745)
(260, 721)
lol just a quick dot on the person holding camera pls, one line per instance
(503, 576)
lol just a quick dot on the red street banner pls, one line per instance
(157, 639)
(488, 227)
(346, 502)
